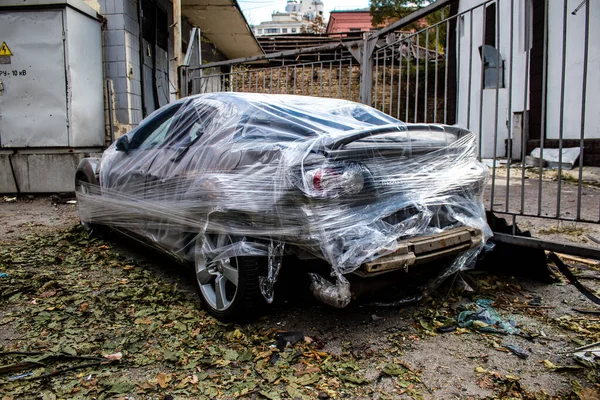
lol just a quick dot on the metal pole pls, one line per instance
(446, 71)
(544, 104)
(586, 44)
(482, 84)
(510, 132)
(497, 22)
(417, 78)
(435, 84)
(399, 80)
(376, 78)
(426, 72)
(562, 108)
(470, 69)
(392, 82)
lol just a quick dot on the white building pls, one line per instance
(533, 96)
(297, 14)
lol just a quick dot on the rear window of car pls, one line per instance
(276, 123)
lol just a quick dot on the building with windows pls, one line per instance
(298, 14)
(343, 21)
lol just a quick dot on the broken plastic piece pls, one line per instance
(267, 283)
(336, 295)
(486, 315)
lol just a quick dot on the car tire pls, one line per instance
(80, 187)
(229, 288)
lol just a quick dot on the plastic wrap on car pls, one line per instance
(333, 179)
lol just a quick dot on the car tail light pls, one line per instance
(335, 181)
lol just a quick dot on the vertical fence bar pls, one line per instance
(544, 105)
(399, 79)
(510, 132)
(350, 81)
(312, 78)
(586, 43)
(482, 83)
(302, 82)
(418, 52)
(426, 71)
(435, 84)
(331, 73)
(446, 71)
(407, 80)
(470, 69)
(459, 31)
(525, 119)
(339, 96)
(321, 80)
(376, 78)
(562, 108)
(383, 78)
(271, 81)
(295, 78)
(392, 82)
(287, 79)
(497, 40)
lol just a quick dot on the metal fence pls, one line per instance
(514, 72)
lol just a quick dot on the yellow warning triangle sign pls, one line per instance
(4, 50)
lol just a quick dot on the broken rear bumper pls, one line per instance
(423, 249)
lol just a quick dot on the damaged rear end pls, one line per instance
(392, 197)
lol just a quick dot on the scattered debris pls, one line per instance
(485, 319)
(535, 302)
(516, 351)
(553, 158)
(584, 311)
(593, 239)
(588, 355)
(285, 339)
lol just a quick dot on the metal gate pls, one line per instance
(515, 72)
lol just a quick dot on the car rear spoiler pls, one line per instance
(336, 143)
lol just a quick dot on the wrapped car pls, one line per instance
(232, 182)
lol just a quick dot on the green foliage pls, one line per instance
(386, 11)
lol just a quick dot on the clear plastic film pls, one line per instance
(228, 174)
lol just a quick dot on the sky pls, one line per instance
(257, 11)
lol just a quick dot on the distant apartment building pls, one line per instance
(298, 13)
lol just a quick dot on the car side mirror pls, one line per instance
(123, 144)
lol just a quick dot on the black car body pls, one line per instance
(233, 181)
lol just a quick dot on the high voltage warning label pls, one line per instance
(4, 50)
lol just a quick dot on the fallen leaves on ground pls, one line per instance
(71, 295)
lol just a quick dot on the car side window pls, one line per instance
(155, 131)
(157, 137)
(190, 127)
